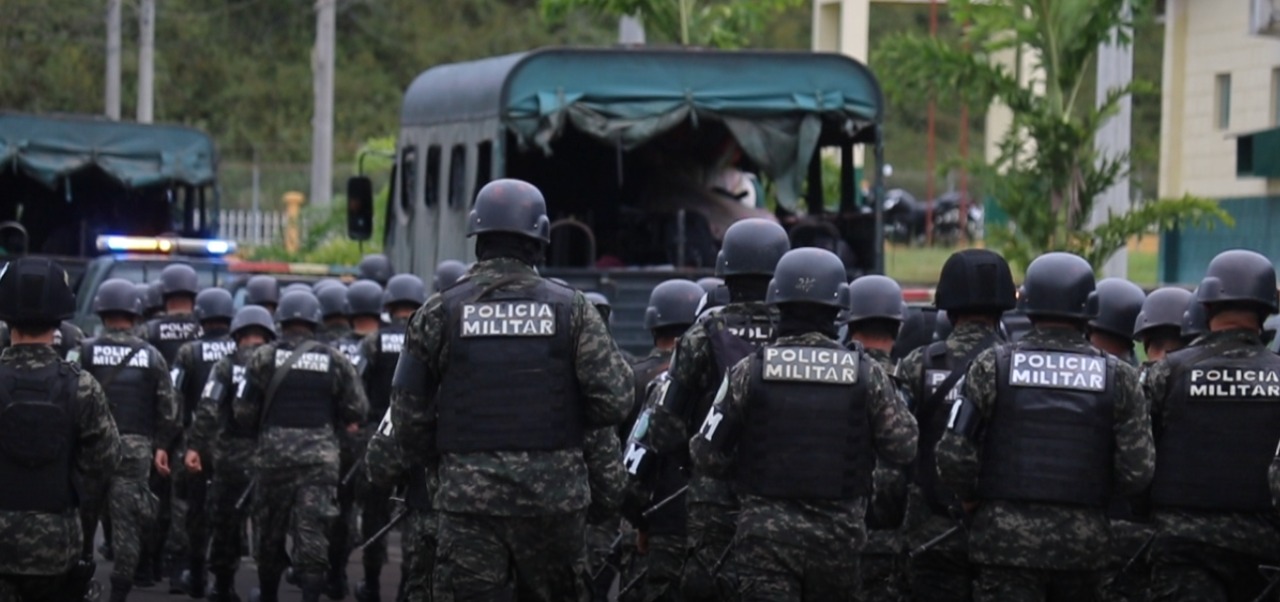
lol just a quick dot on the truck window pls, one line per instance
(408, 179)
(484, 165)
(431, 191)
(457, 176)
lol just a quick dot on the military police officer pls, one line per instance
(797, 426)
(66, 338)
(55, 426)
(500, 376)
(140, 389)
(386, 468)
(1158, 326)
(1048, 429)
(1115, 305)
(975, 287)
(1216, 407)
(375, 267)
(262, 290)
(447, 273)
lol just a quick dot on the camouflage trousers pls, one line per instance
(375, 513)
(178, 543)
(418, 546)
(769, 570)
(882, 577)
(944, 572)
(133, 510)
(298, 503)
(1021, 584)
(479, 557)
(663, 565)
(1121, 584)
(33, 588)
(1182, 569)
(343, 528)
(226, 523)
(711, 528)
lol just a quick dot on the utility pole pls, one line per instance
(113, 60)
(322, 121)
(146, 58)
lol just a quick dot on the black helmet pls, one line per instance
(673, 302)
(324, 282)
(251, 316)
(875, 297)
(598, 300)
(405, 288)
(214, 304)
(1114, 305)
(710, 283)
(942, 326)
(299, 306)
(333, 300)
(262, 289)
(35, 290)
(809, 275)
(295, 287)
(1163, 308)
(1058, 286)
(1195, 320)
(178, 279)
(752, 247)
(513, 206)
(364, 298)
(447, 273)
(975, 280)
(117, 295)
(149, 296)
(1239, 275)
(375, 267)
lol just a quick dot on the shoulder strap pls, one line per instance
(945, 386)
(281, 372)
(134, 347)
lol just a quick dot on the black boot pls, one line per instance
(224, 588)
(120, 589)
(335, 584)
(176, 571)
(142, 575)
(368, 591)
(312, 584)
(269, 587)
(193, 581)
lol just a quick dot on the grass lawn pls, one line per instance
(920, 265)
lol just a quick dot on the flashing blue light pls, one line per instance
(116, 244)
(217, 247)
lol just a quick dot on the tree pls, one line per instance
(714, 23)
(1048, 172)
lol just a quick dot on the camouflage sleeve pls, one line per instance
(715, 446)
(414, 412)
(246, 410)
(369, 355)
(1135, 454)
(168, 425)
(99, 442)
(180, 371)
(892, 424)
(1155, 385)
(383, 462)
(605, 475)
(669, 428)
(910, 372)
(605, 380)
(204, 427)
(348, 389)
(957, 454)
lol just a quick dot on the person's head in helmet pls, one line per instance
(215, 309)
(975, 286)
(252, 326)
(404, 295)
(601, 303)
(447, 273)
(152, 303)
(333, 304)
(1058, 286)
(1115, 306)
(509, 220)
(809, 289)
(748, 255)
(35, 297)
(375, 267)
(179, 286)
(1158, 326)
(1238, 291)
(299, 313)
(673, 307)
(263, 291)
(876, 312)
(364, 306)
(117, 304)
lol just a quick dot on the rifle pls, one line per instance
(1271, 584)
(1114, 579)
(351, 473)
(634, 582)
(244, 496)
(613, 550)
(395, 520)
(667, 500)
(926, 546)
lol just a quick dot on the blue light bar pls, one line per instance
(217, 247)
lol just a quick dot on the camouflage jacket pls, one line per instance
(66, 340)
(285, 448)
(207, 434)
(887, 504)
(893, 433)
(693, 385)
(167, 425)
(645, 369)
(36, 543)
(509, 483)
(1253, 534)
(186, 361)
(1040, 535)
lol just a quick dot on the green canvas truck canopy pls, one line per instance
(47, 148)
(777, 105)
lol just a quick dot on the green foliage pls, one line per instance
(713, 23)
(1048, 172)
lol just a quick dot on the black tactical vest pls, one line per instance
(169, 333)
(1219, 431)
(932, 418)
(390, 339)
(232, 429)
(349, 345)
(207, 351)
(732, 337)
(645, 371)
(511, 382)
(1051, 437)
(132, 393)
(806, 434)
(305, 397)
(37, 438)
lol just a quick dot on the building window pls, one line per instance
(1222, 101)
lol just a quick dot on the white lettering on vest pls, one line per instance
(178, 331)
(1244, 384)
(111, 355)
(753, 334)
(934, 378)
(352, 351)
(392, 342)
(311, 362)
(634, 457)
(213, 351)
(1056, 370)
(508, 319)
(811, 364)
(237, 375)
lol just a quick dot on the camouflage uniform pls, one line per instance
(944, 571)
(296, 468)
(39, 549)
(1204, 555)
(881, 567)
(1128, 574)
(510, 512)
(374, 500)
(1024, 549)
(710, 501)
(664, 530)
(801, 549)
(226, 454)
(385, 467)
(127, 492)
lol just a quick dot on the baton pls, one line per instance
(667, 500)
(924, 547)
(634, 582)
(399, 516)
(351, 473)
(613, 547)
(244, 497)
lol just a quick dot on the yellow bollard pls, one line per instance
(293, 201)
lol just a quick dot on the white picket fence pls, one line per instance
(250, 228)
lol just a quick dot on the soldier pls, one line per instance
(671, 311)
(386, 468)
(1159, 325)
(405, 293)
(297, 391)
(324, 283)
(875, 315)
(191, 368)
(447, 273)
(1115, 306)
(504, 342)
(375, 267)
(1047, 430)
(137, 382)
(797, 427)
(57, 426)
(227, 448)
(264, 291)
(751, 249)
(975, 287)
(152, 300)
(333, 308)
(66, 338)
(1217, 416)
(717, 294)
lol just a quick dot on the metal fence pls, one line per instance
(254, 228)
